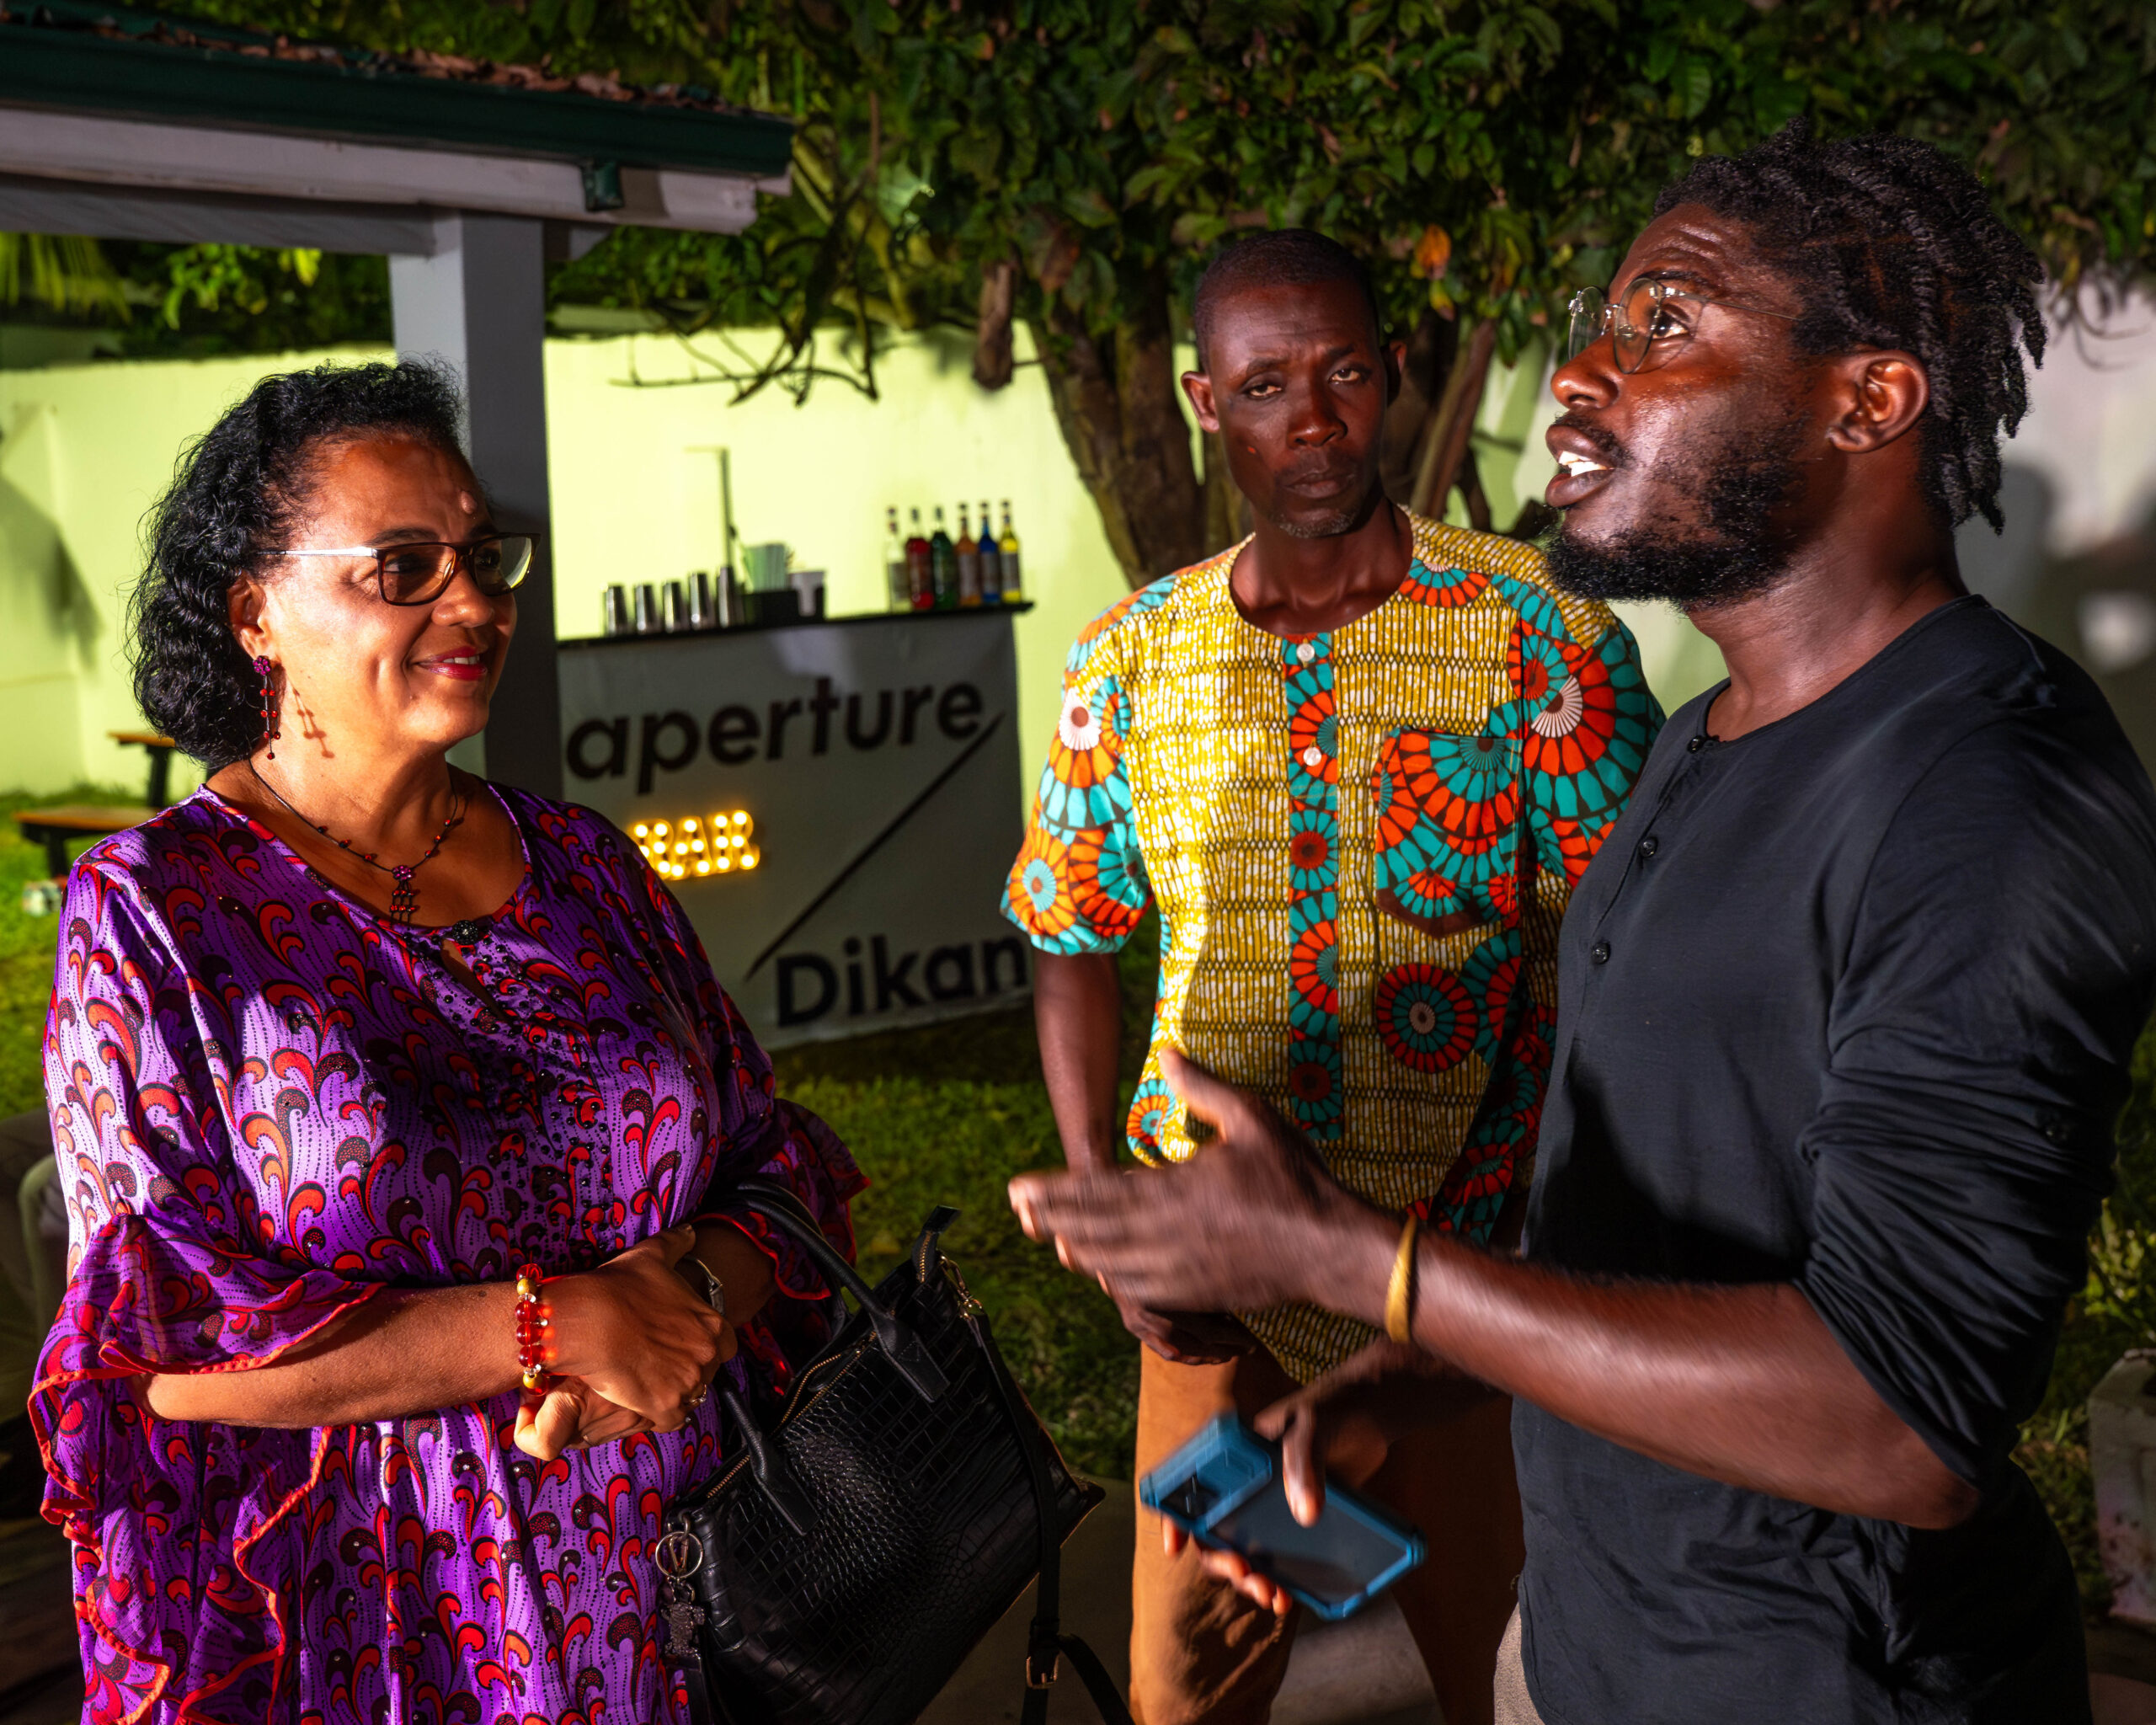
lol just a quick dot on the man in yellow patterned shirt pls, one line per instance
(1357, 762)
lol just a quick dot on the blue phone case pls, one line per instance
(1224, 1488)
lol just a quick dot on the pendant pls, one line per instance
(403, 900)
(684, 1615)
(679, 1555)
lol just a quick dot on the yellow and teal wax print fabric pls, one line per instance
(1361, 844)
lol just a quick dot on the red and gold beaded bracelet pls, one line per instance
(534, 1323)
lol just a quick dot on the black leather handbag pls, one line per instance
(849, 1555)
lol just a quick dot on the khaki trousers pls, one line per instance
(1515, 1707)
(1201, 1652)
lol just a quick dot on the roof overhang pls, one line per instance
(115, 116)
(94, 150)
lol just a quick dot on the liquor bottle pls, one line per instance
(1014, 592)
(943, 564)
(899, 590)
(920, 579)
(991, 561)
(968, 556)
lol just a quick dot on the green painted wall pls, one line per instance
(84, 451)
(636, 484)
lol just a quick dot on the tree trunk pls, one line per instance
(1228, 517)
(1429, 362)
(1429, 427)
(1120, 410)
(1445, 447)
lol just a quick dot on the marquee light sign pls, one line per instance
(855, 783)
(694, 847)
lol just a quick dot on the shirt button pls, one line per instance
(1599, 951)
(1649, 845)
(1313, 757)
(1305, 653)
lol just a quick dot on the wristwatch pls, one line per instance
(714, 1290)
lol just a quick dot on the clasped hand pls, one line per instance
(635, 1351)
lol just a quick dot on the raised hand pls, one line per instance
(1234, 1227)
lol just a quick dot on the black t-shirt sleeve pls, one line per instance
(1998, 972)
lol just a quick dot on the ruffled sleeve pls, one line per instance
(174, 1268)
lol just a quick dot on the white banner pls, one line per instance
(839, 803)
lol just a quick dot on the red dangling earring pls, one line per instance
(270, 705)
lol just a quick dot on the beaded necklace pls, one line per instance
(404, 898)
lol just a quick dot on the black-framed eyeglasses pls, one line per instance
(1648, 325)
(419, 571)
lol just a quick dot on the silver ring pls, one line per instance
(678, 1553)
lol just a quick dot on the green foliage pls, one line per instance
(214, 299)
(2117, 1312)
(65, 273)
(1106, 145)
(195, 301)
(1108, 141)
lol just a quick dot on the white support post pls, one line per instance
(479, 302)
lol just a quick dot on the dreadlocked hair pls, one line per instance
(1892, 245)
(239, 490)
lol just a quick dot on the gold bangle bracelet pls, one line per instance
(1399, 1292)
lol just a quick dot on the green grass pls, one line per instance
(947, 1115)
(26, 946)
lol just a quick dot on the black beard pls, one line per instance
(1742, 554)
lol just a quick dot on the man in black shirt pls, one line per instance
(1845, 1009)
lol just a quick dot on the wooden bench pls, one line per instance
(160, 750)
(55, 828)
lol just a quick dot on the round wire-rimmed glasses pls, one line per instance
(1648, 324)
(419, 571)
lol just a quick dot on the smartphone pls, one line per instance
(1224, 1488)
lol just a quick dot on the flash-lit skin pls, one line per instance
(1866, 557)
(1743, 1385)
(1296, 382)
(374, 697)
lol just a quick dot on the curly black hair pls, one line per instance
(235, 494)
(1894, 244)
(1285, 256)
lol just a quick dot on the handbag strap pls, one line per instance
(905, 1349)
(1044, 1637)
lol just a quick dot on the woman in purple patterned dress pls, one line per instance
(339, 1044)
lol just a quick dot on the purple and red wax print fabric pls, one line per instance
(268, 1103)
